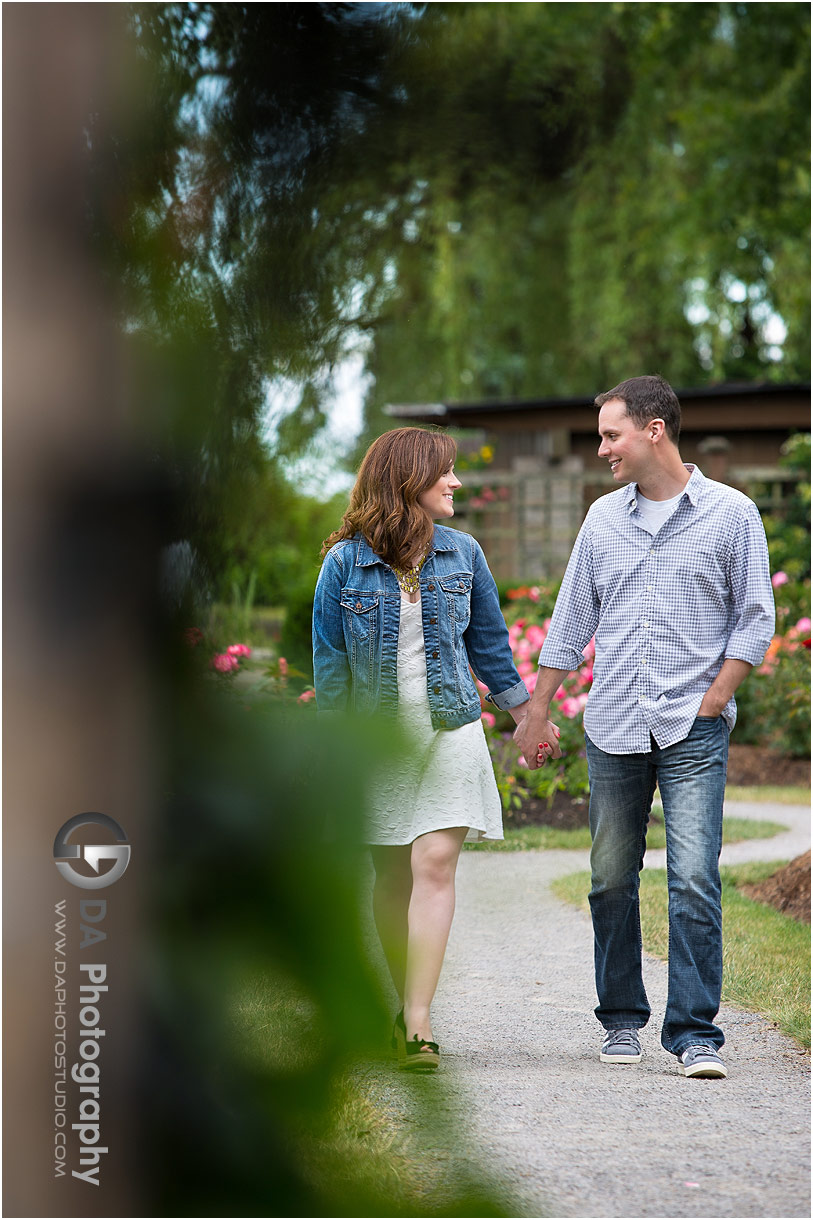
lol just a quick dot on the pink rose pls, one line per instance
(535, 637)
(238, 650)
(489, 719)
(223, 663)
(193, 636)
(306, 696)
(779, 578)
(283, 667)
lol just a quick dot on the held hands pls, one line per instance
(537, 743)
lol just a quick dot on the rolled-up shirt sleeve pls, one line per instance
(575, 616)
(749, 576)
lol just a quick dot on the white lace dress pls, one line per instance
(448, 779)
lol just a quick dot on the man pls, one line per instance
(671, 574)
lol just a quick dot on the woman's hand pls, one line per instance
(537, 743)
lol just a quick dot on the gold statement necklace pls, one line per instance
(408, 578)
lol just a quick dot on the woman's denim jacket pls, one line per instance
(356, 616)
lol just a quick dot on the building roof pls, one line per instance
(793, 396)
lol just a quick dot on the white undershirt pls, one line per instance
(653, 513)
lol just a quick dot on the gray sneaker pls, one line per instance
(621, 1046)
(702, 1060)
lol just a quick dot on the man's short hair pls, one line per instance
(647, 398)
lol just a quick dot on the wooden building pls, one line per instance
(546, 471)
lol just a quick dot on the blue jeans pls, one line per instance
(691, 778)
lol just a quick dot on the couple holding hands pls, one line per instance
(670, 574)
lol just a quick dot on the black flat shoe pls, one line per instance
(398, 1039)
(421, 1055)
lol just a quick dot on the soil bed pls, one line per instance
(752, 765)
(788, 890)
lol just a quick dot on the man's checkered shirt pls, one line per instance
(666, 610)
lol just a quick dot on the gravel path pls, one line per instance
(562, 1133)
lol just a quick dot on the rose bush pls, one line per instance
(527, 612)
(774, 701)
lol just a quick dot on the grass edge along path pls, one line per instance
(766, 954)
(767, 794)
(352, 1149)
(539, 838)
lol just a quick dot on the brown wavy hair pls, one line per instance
(384, 508)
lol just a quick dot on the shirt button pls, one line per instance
(434, 656)
(436, 689)
(431, 588)
(433, 620)
(358, 605)
(441, 724)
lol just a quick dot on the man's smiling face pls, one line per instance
(626, 447)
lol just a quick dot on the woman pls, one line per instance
(402, 610)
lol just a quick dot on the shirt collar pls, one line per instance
(693, 489)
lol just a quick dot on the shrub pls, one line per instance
(528, 610)
(774, 701)
(788, 532)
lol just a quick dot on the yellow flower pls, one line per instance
(487, 453)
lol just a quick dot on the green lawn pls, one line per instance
(766, 955)
(776, 795)
(345, 1131)
(536, 838)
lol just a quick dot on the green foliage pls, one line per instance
(262, 628)
(276, 538)
(605, 161)
(363, 1152)
(259, 973)
(296, 641)
(527, 611)
(788, 533)
(773, 703)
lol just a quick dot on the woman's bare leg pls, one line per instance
(391, 895)
(431, 908)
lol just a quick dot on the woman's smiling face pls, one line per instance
(438, 500)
